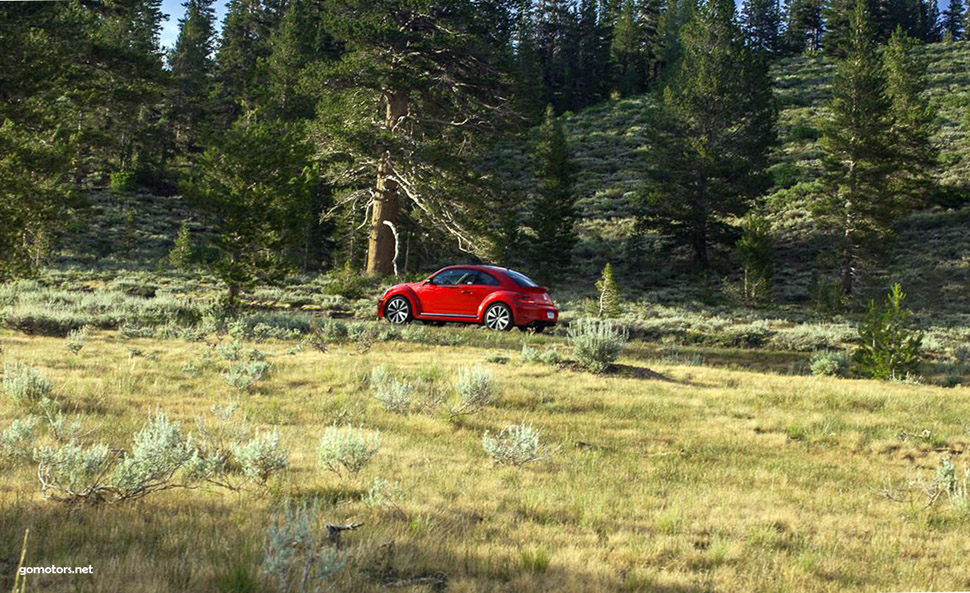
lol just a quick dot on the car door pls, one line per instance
(474, 290)
(440, 296)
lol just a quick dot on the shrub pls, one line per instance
(229, 350)
(347, 449)
(76, 474)
(392, 394)
(261, 457)
(297, 556)
(596, 344)
(17, 439)
(26, 386)
(75, 340)
(829, 364)
(529, 354)
(475, 388)
(244, 375)
(516, 444)
(181, 254)
(123, 182)
(889, 350)
(383, 493)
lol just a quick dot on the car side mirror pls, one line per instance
(427, 281)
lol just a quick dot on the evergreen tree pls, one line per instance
(593, 59)
(243, 49)
(913, 120)
(192, 64)
(715, 129)
(432, 71)
(805, 26)
(756, 249)
(761, 20)
(952, 22)
(860, 205)
(608, 304)
(628, 59)
(553, 216)
(255, 187)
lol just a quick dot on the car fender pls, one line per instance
(506, 297)
(408, 293)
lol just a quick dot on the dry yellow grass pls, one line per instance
(717, 480)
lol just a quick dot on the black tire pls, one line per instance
(498, 317)
(398, 310)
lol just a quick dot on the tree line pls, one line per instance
(317, 132)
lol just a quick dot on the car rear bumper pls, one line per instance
(536, 314)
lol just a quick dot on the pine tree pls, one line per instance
(431, 69)
(608, 304)
(193, 68)
(553, 216)
(715, 129)
(244, 47)
(255, 187)
(952, 22)
(593, 57)
(628, 59)
(913, 120)
(805, 26)
(860, 205)
(761, 20)
(756, 249)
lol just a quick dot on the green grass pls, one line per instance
(697, 478)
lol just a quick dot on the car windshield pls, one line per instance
(520, 279)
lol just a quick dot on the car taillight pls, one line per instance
(526, 298)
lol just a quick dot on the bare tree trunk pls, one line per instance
(380, 246)
(848, 253)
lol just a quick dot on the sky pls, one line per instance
(174, 10)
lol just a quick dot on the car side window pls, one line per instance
(451, 277)
(486, 279)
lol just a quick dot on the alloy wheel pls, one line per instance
(398, 310)
(498, 318)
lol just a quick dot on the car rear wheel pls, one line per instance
(398, 310)
(498, 317)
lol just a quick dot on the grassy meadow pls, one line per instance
(662, 475)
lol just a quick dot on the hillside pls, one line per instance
(608, 144)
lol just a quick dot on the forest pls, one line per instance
(752, 216)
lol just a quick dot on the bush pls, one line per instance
(596, 344)
(392, 394)
(261, 457)
(516, 444)
(244, 375)
(123, 182)
(889, 350)
(26, 386)
(829, 364)
(382, 493)
(347, 449)
(17, 439)
(75, 340)
(475, 389)
(297, 556)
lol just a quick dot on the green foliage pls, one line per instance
(26, 386)
(261, 457)
(553, 218)
(244, 375)
(393, 394)
(123, 182)
(608, 304)
(475, 389)
(709, 156)
(830, 364)
(756, 250)
(889, 349)
(596, 344)
(17, 439)
(347, 449)
(181, 254)
(516, 444)
(256, 185)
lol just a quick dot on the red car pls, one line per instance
(498, 297)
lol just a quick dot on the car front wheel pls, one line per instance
(498, 317)
(398, 310)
